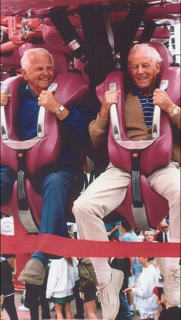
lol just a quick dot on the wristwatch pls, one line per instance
(174, 111)
(59, 110)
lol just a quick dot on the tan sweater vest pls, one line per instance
(135, 127)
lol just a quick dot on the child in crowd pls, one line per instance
(150, 237)
(161, 306)
(88, 283)
(144, 297)
(61, 280)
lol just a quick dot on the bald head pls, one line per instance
(164, 226)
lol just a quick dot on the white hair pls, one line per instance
(25, 60)
(145, 48)
(148, 232)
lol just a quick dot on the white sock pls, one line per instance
(131, 307)
(103, 271)
(172, 263)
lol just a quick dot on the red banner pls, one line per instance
(67, 247)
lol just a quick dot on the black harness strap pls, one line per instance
(22, 200)
(135, 179)
(147, 32)
(69, 34)
(138, 207)
(25, 214)
(127, 31)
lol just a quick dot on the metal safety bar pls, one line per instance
(41, 115)
(4, 130)
(156, 114)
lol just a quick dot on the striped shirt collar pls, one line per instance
(137, 92)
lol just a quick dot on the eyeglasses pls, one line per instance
(164, 227)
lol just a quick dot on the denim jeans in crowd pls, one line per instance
(124, 311)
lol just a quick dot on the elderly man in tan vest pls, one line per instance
(108, 191)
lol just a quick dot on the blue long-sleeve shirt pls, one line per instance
(74, 128)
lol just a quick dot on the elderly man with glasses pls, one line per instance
(163, 236)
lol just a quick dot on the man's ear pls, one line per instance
(158, 67)
(23, 72)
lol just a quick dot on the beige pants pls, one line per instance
(108, 191)
(1, 303)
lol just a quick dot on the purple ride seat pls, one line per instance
(45, 152)
(157, 155)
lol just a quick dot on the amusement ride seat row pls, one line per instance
(143, 207)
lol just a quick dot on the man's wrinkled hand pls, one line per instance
(110, 97)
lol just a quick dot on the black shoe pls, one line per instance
(132, 313)
(98, 305)
(78, 316)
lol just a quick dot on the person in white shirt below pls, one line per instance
(164, 235)
(144, 297)
(61, 280)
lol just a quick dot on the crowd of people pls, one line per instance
(80, 128)
(69, 279)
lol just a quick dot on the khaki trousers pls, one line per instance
(108, 191)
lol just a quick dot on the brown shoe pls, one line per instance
(33, 273)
